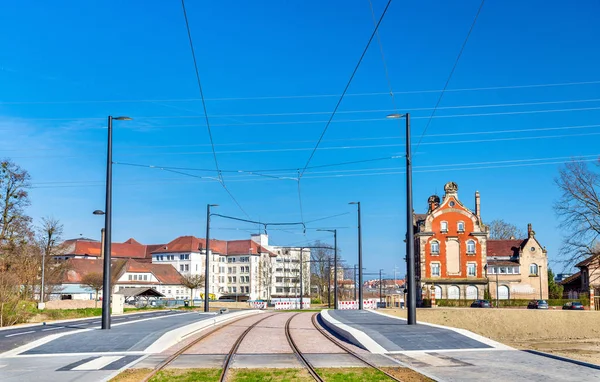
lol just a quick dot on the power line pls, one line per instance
(462, 48)
(346, 88)
(559, 84)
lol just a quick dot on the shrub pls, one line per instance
(316, 301)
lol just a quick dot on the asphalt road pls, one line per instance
(13, 338)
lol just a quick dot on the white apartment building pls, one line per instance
(239, 269)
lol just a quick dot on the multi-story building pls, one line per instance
(458, 261)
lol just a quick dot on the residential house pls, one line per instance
(587, 278)
(84, 248)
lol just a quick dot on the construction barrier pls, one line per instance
(289, 305)
(258, 304)
(347, 305)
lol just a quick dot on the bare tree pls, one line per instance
(93, 280)
(14, 183)
(579, 210)
(192, 282)
(49, 236)
(501, 230)
(265, 274)
(321, 262)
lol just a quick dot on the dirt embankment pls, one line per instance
(572, 334)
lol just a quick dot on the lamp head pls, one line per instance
(98, 212)
(123, 118)
(395, 116)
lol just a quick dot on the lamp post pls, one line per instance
(410, 234)
(380, 286)
(301, 277)
(355, 282)
(335, 264)
(485, 267)
(106, 292)
(207, 261)
(497, 289)
(360, 273)
(540, 276)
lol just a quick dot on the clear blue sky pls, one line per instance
(126, 54)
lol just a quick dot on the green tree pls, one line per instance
(554, 290)
(94, 281)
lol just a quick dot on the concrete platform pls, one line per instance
(380, 333)
(450, 354)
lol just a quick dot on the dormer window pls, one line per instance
(435, 248)
(461, 227)
(444, 226)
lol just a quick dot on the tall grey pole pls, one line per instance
(380, 286)
(410, 236)
(335, 273)
(354, 282)
(497, 290)
(106, 291)
(207, 261)
(301, 276)
(43, 274)
(360, 268)
(329, 283)
(540, 275)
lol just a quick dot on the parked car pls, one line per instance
(575, 305)
(537, 304)
(481, 304)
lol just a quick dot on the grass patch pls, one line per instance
(131, 375)
(64, 314)
(407, 375)
(355, 374)
(187, 375)
(269, 375)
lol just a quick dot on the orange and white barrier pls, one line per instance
(348, 305)
(258, 304)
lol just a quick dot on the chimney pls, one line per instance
(477, 204)
(530, 232)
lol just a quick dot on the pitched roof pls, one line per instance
(140, 292)
(588, 261)
(503, 263)
(245, 247)
(191, 244)
(164, 273)
(570, 279)
(129, 249)
(504, 248)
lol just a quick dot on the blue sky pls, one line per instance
(66, 65)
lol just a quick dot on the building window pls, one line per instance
(130, 277)
(516, 270)
(444, 226)
(278, 279)
(533, 270)
(471, 247)
(435, 247)
(279, 290)
(435, 269)
(135, 277)
(180, 267)
(461, 227)
(145, 277)
(471, 269)
(187, 267)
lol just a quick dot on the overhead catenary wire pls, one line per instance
(346, 88)
(210, 136)
(462, 48)
(509, 87)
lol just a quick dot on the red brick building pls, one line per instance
(451, 247)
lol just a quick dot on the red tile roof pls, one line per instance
(504, 248)
(245, 247)
(131, 249)
(570, 279)
(165, 273)
(502, 263)
(191, 244)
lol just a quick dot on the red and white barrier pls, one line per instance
(290, 305)
(258, 304)
(348, 305)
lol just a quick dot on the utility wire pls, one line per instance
(304, 96)
(189, 33)
(462, 48)
(346, 88)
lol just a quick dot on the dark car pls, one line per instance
(481, 304)
(575, 305)
(537, 304)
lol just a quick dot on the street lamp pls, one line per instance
(335, 264)
(107, 227)
(207, 261)
(360, 273)
(410, 234)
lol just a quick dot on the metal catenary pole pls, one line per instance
(410, 237)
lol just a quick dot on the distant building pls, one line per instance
(562, 276)
(456, 258)
(587, 278)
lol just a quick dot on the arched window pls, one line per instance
(533, 269)
(471, 246)
(461, 226)
(444, 226)
(453, 292)
(472, 292)
(435, 247)
(438, 292)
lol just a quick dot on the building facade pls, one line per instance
(456, 260)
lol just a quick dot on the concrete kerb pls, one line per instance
(355, 336)
(53, 337)
(25, 326)
(175, 336)
(495, 345)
